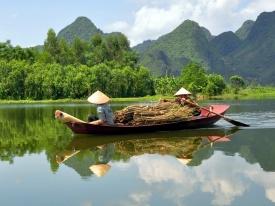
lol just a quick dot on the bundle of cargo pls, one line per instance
(163, 112)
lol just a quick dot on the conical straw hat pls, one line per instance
(98, 98)
(182, 91)
(100, 169)
(184, 161)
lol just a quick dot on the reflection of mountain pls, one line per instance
(255, 145)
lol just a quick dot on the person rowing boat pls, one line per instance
(183, 97)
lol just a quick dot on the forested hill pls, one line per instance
(82, 28)
(188, 42)
(249, 52)
(255, 58)
(245, 29)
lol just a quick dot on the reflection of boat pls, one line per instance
(203, 120)
(94, 154)
(100, 169)
(84, 141)
(62, 157)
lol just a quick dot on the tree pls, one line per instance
(65, 56)
(98, 51)
(237, 82)
(118, 83)
(194, 78)
(166, 85)
(215, 85)
(33, 82)
(9, 53)
(79, 48)
(144, 83)
(12, 78)
(51, 45)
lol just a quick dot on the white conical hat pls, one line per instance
(100, 169)
(184, 161)
(182, 91)
(98, 98)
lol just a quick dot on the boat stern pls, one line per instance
(217, 108)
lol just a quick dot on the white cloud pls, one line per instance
(155, 18)
(225, 182)
(159, 170)
(140, 198)
(118, 26)
(266, 180)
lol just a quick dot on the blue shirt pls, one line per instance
(105, 113)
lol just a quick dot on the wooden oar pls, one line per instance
(232, 121)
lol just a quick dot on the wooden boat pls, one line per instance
(205, 119)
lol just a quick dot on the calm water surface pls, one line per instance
(42, 163)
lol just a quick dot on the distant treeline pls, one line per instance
(21, 80)
(107, 63)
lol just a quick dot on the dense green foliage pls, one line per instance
(194, 78)
(21, 80)
(167, 85)
(215, 85)
(64, 70)
(113, 49)
(8, 52)
(237, 83)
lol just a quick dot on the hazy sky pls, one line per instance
(26, 22)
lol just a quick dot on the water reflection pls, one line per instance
(39, 158)
(89, 155)
(92, 160)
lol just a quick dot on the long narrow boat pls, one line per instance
(205, 119)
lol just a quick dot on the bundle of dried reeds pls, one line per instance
(163, 112)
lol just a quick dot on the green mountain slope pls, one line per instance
(255, 59)
(188, 42)
(226, 43)
(245, 29)
(143, 46)
(207, 33)
(82, 27)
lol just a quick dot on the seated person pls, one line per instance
(183, 97)
(104, 111)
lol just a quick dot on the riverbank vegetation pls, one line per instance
(72, 71)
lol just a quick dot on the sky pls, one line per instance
(26, 22)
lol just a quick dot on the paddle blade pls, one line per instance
(237, 123)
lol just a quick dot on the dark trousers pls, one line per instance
(92, 117)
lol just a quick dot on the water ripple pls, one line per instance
(254, 119)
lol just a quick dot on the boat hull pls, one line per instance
(206, 119)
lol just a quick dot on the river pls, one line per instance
(43, 163)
